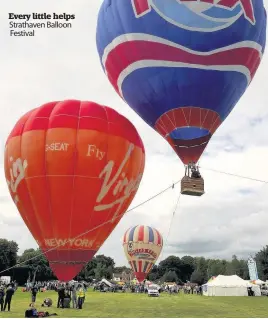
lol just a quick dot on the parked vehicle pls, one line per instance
(153, 291)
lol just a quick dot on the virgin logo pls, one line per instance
(119, 186)
(16, 176)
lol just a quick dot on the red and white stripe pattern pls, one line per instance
(130, 52)
(144, 234)
(142, 246)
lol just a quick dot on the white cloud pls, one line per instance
(229, 219)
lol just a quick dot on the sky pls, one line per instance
(57, 64)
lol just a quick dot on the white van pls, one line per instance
(153, 291)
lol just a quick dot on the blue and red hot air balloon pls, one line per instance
(182, 65)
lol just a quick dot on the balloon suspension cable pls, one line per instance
(235, 175)
(170, 225)
(92, 229)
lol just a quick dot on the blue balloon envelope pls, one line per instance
(182, 65)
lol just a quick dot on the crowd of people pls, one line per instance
(143, 288)
(43, 285)
(72, 294)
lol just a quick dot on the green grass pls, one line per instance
(128, 305)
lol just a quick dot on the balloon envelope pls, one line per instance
(182, 65)
(72, 167)
(142, 246)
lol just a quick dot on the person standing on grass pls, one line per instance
(81, 296)
(61, 295)
(74, 296)
(84, 289)
(34, 293)
(2, 297)
(9, 293)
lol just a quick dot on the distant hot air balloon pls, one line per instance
(142, 246)
(182, 65)
(72, 167)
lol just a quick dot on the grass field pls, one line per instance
(126, 305)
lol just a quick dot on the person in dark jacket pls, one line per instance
(61, 295)
(2, 297)
(34, 293)
(9, 293)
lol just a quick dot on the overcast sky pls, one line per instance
(56, 64)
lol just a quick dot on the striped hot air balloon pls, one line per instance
(142, 246)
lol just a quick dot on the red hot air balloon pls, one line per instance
(142, 246)
(72, 167)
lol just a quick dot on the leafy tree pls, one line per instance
(216, 267)
(201, 269)
(154, 274)
(188, 260)
(197, 277)
(187, 268)
(170, 276)
(171, 263)
(262, 263)
(244, 273)
(104, 260)
(240, 267)
(37, 264)
(229, 269)
(119, 270)
(8, 253)
(100, 271)
(99, 267)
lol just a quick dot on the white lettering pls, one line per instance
(93, 150)
(57, 147)
(72, 242)
(61, 242)
(78, 242)
(53, 242)
(124, 185)
(17, 174)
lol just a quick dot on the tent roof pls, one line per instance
(228, 281)
(258, 282)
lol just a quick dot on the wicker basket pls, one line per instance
(192, 186)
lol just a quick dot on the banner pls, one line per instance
(252, 269)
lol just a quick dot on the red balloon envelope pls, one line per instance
(71, 167)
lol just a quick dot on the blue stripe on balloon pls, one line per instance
(188, 133)
(186, 87)
(151, 235)
(131, 233)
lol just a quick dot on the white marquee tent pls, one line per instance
(259, 282)
(228, 286)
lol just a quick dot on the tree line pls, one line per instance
(34, 266)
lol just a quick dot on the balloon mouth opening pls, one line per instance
(188, 133)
